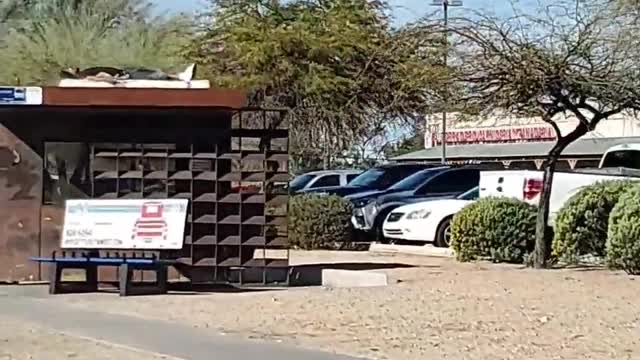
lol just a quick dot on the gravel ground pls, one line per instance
(438, 309)
(20, 340)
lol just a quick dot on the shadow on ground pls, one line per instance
(299, 275)
(186, 288)
(579, 267)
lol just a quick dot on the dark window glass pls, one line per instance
(472, 194)
(350, 177)
(452, 181)
(622, 158)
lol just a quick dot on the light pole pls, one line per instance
(445, 98)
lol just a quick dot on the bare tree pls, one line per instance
(563, 61)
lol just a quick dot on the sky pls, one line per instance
(403, 11)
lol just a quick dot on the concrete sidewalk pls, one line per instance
(31, 304)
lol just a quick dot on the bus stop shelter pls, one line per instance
(205, 145)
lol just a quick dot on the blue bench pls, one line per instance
(90, 261)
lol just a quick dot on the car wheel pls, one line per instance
(443, 234)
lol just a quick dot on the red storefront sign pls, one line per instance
(497, 135)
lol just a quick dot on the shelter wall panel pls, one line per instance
(20, 197)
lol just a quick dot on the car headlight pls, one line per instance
(418, 214)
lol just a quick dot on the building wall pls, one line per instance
(504, 129)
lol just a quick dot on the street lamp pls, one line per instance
(445, 7)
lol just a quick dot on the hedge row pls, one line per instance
(602, 220)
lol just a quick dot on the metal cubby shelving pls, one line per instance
(236, 228)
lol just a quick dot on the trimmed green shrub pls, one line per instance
(319, 222)
(497, 228)
(623, 240)
(582, 223)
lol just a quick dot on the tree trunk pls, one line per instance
(540, 253)
(543, 237)
(328, 153)
(326, 159)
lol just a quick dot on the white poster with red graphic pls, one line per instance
(124, 224)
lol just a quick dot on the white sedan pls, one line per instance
(426, 221)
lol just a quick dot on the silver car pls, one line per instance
(322, 178)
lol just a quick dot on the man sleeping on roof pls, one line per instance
(113, 75)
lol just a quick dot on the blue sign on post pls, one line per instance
(20, 96)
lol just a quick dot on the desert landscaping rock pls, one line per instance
(352, 278)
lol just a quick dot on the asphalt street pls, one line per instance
(32, 304)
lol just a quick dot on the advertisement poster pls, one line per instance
(124, 224)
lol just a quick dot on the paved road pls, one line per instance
(32, 304)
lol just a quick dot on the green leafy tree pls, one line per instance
(406, 146)
(337, 64)
(30, 11)
(43, 37)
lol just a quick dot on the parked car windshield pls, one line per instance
(300, 181)
(383, 177)
(414, 181)
(471, 194)
(367, 178)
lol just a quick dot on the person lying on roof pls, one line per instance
(113, 75)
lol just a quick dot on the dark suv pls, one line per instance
(429, 184)
(373, 180)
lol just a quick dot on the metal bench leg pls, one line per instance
(125, 274)
(162, 274)
(55, 278)
(92, 278)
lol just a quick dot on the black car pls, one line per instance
(429, 184)
(409, 183)
(373, 180)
